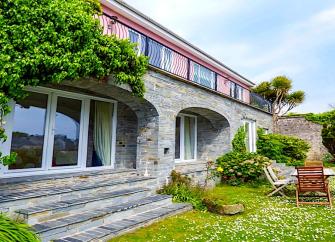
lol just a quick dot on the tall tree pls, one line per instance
(279, 92)
(49, 41)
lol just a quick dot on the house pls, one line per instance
(100, 132)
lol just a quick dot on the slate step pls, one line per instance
(61, 227)
(33, 179)
(11, 200)
(51, 210)
(116, 228)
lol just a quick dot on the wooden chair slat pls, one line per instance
(312, 179)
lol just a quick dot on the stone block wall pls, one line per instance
(126, 137)
(306, 130)
(166, 96)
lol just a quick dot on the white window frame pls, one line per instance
(182, 136)
(47, 168)
(251, 134)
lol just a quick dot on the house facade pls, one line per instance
(192, 108)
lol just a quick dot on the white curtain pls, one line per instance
(189, 138)
(103, 131)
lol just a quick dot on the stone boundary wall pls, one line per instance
(306, 130)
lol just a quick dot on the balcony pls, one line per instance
(175, 63)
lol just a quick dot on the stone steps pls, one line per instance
(51, 210)
(67, 205)
(116, 228)
(56, 228)
(17, 198)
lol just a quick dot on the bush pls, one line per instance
(239, 140)
(182, 190)
(328, 158)
(11, 230)
(328, 136)
(236, 167)
(327, 119)
(282, 148)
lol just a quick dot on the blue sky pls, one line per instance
(261, 39)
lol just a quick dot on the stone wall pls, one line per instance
(126, 137)
(166, 96)
(306, 130)
(171, 96)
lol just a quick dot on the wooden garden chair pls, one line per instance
(277, 184)
(313, 163)
(311, 180)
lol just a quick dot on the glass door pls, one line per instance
(52, 129)
(28, 137)
(66, 130)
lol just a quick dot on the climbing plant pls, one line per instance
(50, 41)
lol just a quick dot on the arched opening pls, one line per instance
(200, 135)
(137, 123)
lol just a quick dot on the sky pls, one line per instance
(261, 39)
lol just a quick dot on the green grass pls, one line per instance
(265, 219)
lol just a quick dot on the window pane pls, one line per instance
(28, 131)
(100, 134)
(67, 128)
(189, 138)
(177, 145)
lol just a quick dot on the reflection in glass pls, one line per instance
(28, 131)
(66, 133)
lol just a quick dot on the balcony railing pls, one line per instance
(162, 57)
(259, 102)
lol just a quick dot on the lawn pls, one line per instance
(265, 219)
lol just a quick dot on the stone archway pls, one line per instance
(142, 139)
(213, 133)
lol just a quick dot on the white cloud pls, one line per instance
(184, 16)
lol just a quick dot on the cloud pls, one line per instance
(184, 16)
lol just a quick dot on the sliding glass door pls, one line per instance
(66, 132)
(52, 130)
(28, 132)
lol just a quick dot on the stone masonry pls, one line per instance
(166, 96)
(306, 130)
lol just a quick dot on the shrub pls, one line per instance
(327, 158)
(328, 136)
(11, 230)
(282, 148)
(239, 140)
(182, 190)
(236, 167)
(327, 119)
